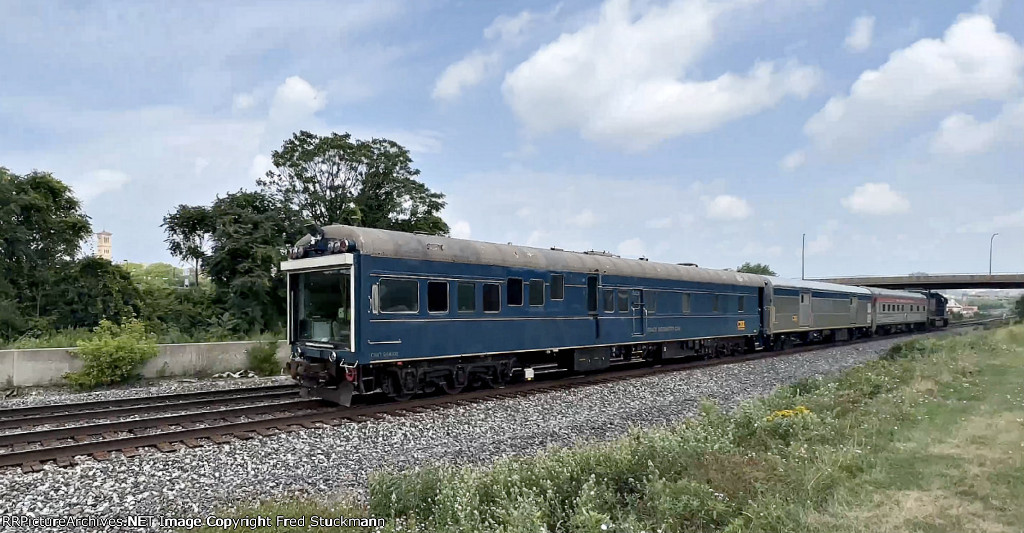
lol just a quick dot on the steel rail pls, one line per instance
(148, 407)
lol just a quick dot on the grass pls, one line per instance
(928, 439)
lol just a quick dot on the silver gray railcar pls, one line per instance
(807, 311)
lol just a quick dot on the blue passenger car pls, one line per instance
(381, 310)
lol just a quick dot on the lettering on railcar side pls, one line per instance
(384, 355)
(741, 325)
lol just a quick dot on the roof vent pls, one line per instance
(687, 264)
(435, 247)
(602, 254)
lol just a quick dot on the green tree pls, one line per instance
(252, 229)
(337, 179)
(188, 228)
(756, 268)
(89, 290)
(42, 227)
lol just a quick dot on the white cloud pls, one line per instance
(261, 164)
(962, 134)
(820, 244)
(464, 73)
(726, 207)
(460, 230)
(632, 248)
(296, 99)
(622, 79)
(243, 101)
(1013, 220)
(972, 62)
(861, 31)
(504, 32)
(793, 160)
(94, 183)
(584, 219)
(876, 199)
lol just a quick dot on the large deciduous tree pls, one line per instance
(42, 227)
(336, 179)
(251, 229)
(90, 289)
(188, 229)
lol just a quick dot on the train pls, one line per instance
(380, 311)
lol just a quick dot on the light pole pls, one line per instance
(803, 245)
(990, 239)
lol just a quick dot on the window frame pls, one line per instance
(687, 300)
(458, 296)
(540, 292)
(447, 297)
(561, 286)
(741, 304)
(716, 306)
(483, 290)
(508, 292)
(608, 300)
(417, 293)
(619, 300)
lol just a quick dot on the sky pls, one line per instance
(891, 134)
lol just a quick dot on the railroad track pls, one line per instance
(167, 433)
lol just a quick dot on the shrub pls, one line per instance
(263, 359)
(113, 355)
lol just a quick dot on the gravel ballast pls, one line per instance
(336, 460)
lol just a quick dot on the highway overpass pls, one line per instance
(935, 281)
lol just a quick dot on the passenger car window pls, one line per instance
(466, 297)
(399, 296)
(686, 302)
(492, 297)
(623, 301)
(514, 287)
(741, 303)
(557, 287)
(714, 304)
(437, 296)
(536, 292)
(651, 301)
(608, 296)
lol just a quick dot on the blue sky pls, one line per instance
(891, 133)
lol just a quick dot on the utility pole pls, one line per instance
(803, 245)
(990, 239)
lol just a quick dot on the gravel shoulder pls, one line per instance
(336, 460)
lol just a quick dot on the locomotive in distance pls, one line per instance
(373, 310)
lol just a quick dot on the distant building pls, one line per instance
(103, 246)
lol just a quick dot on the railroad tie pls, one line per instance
(166, 447)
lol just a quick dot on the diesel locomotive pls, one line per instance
(373, 310)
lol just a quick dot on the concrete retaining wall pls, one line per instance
(47, 366)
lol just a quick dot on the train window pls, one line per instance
(557, 287)
(740, 305)
(714, 304)
(686, 302)
(608, 296)
(651, 302)
(536, 292)
(437, 296)
(466, 297)
(515, 291)
(592, 294)
(623, 301)
(492, 297)
(399, 296)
